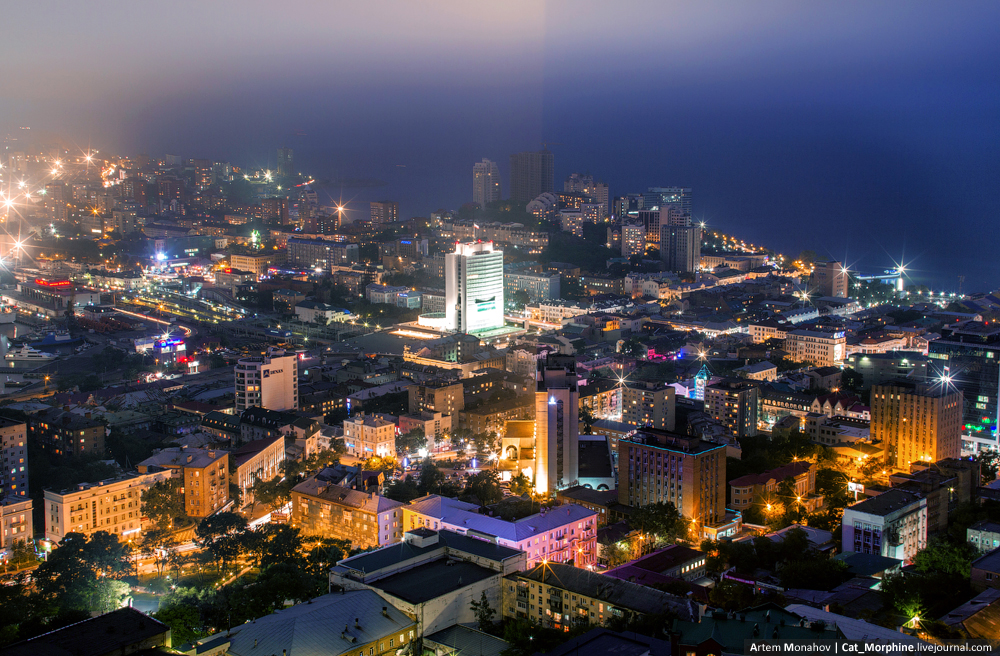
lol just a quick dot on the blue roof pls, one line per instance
(464, 515)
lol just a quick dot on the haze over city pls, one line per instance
(877, 122)
(440, 328)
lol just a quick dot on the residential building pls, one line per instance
(832, 279)
(365, 520)
(204, 473)
(680, 247)
(763, 488)
(817, 348)
(916, 422)
(384, 212)
(432, 576)
(113, 506)
(369, 436)
(355, 623)
(661, 466)
(434, 425)
(633, 240)
(564, 534)
(531, 174)
(270, 381)
(321, 313)
(969, 354)
(734, 402)
(259, 460)
(892, 524)
(474, 288)
(445, 397)
(384, 293)
(539, 286)
(648, 404)
(557, 433)
(560, 597)
(761, 331)
(600, 501)
(66, 434)
(673, 563)
(15, 523)
(759, 371)
(255, 264)
(984, 535)
(485, 182)
(13, 458)
(321, 254)
(603, 398)
(986, 571)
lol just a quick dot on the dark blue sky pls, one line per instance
(865, 131)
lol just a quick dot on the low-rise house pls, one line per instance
(984, 535)
(986, 571)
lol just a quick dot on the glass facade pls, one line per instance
(969, 356)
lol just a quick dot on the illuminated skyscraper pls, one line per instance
(531, 174)
(473, 288)
(680, 247)
(557, 427)
(832, 279)
(485, 182)
(916, 422)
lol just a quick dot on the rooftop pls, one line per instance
(779, 474)
(432, 580)
(886, 503)
(610, 590)
(465, 640)
(372, 561)
(343, 496)
(459, 513)
(178, 457)
(990, 562)
(324, 626)
(112, 632)
(249, 450)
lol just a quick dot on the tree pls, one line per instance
(376, 463)
(411, 442)
(520, 484)
(404, 490)
(518, 300)
(71, 577)
(485, 486)
(946, 558)
(431, 478)
(281, 544)
(586, 420)
(156, 544)
(163, 503)
(273, 493)
(219, 534)
(634, 348)
(484, 612)
(660, 520)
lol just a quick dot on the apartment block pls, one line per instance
(365, 520)
(736, 404)
(648, 405)
(445, 397)
(113, 506)
(892, 524)
(369, 436)
(817, 348)
(205, 476)
(13, 458)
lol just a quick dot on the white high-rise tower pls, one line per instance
(473, 288)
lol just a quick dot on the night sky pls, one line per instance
(864, 131)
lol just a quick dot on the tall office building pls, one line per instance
(473, 288)
(286, 164)
(832, 280)
(916, 422)
(557, 430)
(269, 381)
(625, 205)
(485, 182)
(383, 212)
(735, 404)
(680, 247)
(531, 174)
(660, 466)
(968, 353)
(676, 197)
